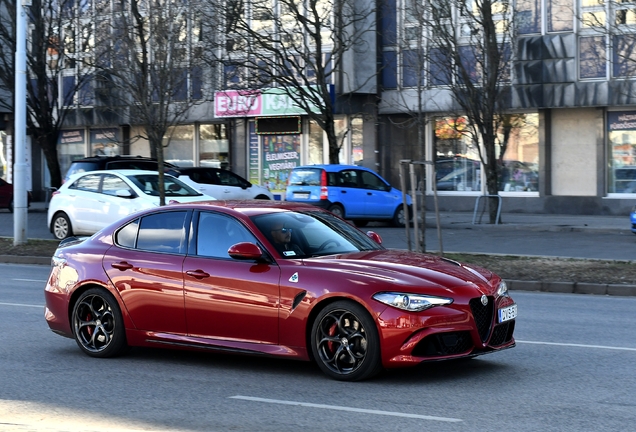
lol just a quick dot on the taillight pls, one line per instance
(324, 194)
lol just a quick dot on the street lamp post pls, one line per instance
(19, 107)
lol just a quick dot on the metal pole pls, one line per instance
(404, 205)
(416, 233)
(19, 107)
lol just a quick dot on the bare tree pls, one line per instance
(50, 55)
(302, 48)
(148, 62)
(466, 47)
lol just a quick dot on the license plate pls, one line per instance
(508, 313)
(303, 195)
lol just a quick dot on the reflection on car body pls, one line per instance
(209, 276)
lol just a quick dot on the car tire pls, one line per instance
(11, 206)
(345, 342)
(399, 219)
(61, 226)
(337, 210)
(98, 325)
(262, 197)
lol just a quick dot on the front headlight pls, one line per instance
(411, 302)
(502, 291)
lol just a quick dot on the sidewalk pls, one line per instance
(545, 230)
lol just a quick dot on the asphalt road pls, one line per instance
(602, 244)
(572, 370)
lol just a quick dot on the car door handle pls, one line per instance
(343, 191)
(122, 265)
(199, 274)
(369, 193)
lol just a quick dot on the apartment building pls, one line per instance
(572, 147)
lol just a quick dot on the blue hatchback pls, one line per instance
(349, 191)
(632, 217)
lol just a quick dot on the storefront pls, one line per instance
(280, 136)
(621, 137)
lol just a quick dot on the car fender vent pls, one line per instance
(299, 297)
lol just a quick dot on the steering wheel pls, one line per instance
(326, 242)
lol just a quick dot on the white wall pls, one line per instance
(574, 151)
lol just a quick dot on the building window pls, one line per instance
(560, 16)
(389, 71)
(528, 16)
(592, 57)
(178, 145)
(214, 145)
(457, 161)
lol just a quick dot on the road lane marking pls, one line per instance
(21, 305)
(30, 280)
(577, 345)
(339, 408)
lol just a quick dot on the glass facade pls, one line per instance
(621, 152)
(457, 162)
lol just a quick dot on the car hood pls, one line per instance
(409, 269)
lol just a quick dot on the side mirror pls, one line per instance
(245, 251)
(374, 236)
(124, 193)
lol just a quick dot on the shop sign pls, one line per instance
(71, 136)
(621, 120)
(104, 136)
(252, 103)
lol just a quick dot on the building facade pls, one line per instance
(571, 146)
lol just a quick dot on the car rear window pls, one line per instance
(305, 177)
(80, 167)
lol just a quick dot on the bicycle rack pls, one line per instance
(498, 207)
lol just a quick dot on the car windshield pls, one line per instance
(305, 177)
(149, 183)
(310, 234)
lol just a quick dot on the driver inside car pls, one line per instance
(281, 237)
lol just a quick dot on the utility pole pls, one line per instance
(19, 142)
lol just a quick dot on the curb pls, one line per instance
(573, 288)
(18, 259)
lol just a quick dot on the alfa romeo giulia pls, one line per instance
(271, 278)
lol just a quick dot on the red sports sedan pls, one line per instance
(265, 277)
(6, 195)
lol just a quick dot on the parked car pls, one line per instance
(632, 218)
(6, 195)
(348, 191)
(272, 278)
(119, 162)
(89, 201)
(222, 184)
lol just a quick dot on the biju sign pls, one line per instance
(253, 103)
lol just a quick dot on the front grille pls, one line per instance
(502, 333)
(443, 344)
(483, 316)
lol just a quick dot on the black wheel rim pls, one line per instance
(94, 323)
(341, 342)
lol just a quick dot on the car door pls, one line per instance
(227, 298)
(83, 203)
(146, 266)
(378, 200)
(114, 207)
(234, 187)
(348, 193)
(204, 181)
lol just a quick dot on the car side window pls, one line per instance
(349, 178)
(89, 183)
(112, 184)
(228, 179)
(216, 233)
(127, 236)
(372, 181)
(163, 232)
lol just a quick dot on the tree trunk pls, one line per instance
(48, 144)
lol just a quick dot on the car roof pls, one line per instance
(248, 207)
(333, 167)
(122, 172)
